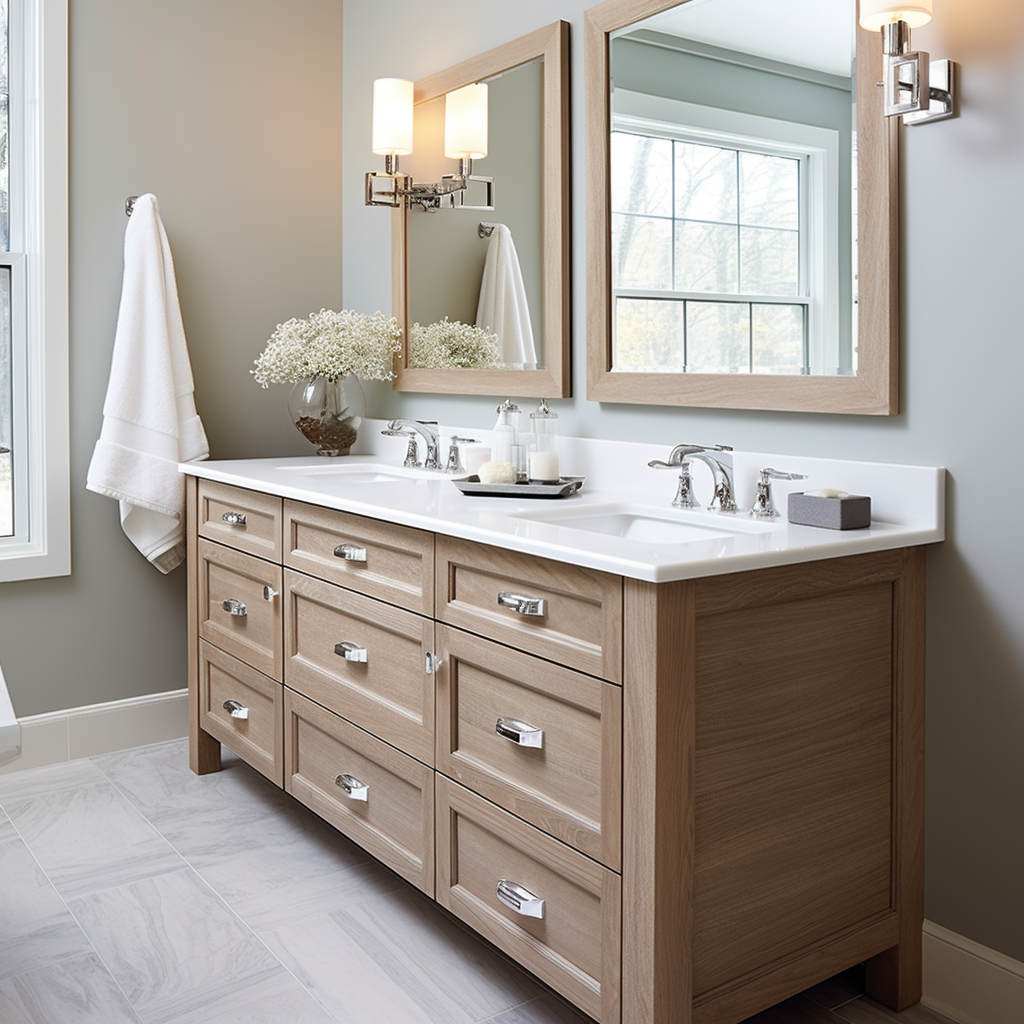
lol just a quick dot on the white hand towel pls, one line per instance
(150, 422)
(503, 308)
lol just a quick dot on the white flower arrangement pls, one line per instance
(330, 344)
(451, 344)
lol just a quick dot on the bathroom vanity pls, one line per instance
(678, 781)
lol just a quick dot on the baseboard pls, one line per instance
(67, 735)
(970, 982)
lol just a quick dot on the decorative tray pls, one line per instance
(566, 485)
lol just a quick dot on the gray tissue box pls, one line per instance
(851, 513)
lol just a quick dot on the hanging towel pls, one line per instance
(503, 308)
(150, 422)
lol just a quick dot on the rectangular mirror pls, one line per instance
(504, 269)
(741, 233)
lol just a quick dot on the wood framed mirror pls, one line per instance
(687, 299)
(438, 258)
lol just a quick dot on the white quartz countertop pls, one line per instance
(907, 507)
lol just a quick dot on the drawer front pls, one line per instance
(563, 772)
(377, 677)
(244, 709)
(382, 560)
(246, 520)
(392, 818)
(575, 946)
(240, 606)
(578, 623)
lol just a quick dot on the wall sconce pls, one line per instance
(465, 140)
(920, 89)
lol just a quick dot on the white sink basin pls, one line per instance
(649, 524)
(360, 473)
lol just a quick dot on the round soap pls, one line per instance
(497, 473)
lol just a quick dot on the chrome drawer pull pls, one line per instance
(354, 789)
(522, 605)
(269, 593)
(431, 663)
(233, 607)
(234, 518)
(235, 709)
(350, 651)
(519, 732)
(521, 900)
(350, 553)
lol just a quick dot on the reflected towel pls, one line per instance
(503, 308)
(150, 422)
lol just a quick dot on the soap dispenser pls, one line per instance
(503, 437)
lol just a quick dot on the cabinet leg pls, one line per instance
(203, 753)
(893, 977)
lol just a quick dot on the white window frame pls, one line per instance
(38, 151)
(661, 116)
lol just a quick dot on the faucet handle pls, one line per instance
(412, 454)
(763, 507)
(684, 492)
(455, 455)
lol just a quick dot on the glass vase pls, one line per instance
(328, 412)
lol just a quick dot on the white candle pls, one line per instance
(544, 467)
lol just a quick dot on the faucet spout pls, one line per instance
(430, 433)
(719, 460)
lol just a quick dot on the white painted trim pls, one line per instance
(59, 736)
(970, 982)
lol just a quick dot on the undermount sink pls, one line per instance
(361, 473)
(648, 523)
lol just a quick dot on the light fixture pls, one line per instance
(465, 140)
(916, 87)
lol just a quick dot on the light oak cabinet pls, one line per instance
(676, 803)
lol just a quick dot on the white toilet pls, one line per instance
(10, 731)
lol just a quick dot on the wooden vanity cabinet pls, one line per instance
(715, 785)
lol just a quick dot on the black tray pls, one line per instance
(566, 485)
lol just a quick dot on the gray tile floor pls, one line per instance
(133, 891)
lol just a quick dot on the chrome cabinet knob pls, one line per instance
(522, 605)
(431, 663)
(234, 518)
(233, 607)
(520, 733)
(520, 899)
(236, 709)
(350, 553)
(269, 593)
(350, 651)
(353, 788)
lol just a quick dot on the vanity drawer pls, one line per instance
(246, 520)
(383, 560)
(567, 780)
(255, 732)
(240, 606)
(577, 623)
(389, 693)
(392, 818)
(575, 946)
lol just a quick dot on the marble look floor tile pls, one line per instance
(54, 778)
(405, 961)
(87, 836)
(548, 1009)
(76, 991)
(36, 928)
(867, 1011)
(171, 943)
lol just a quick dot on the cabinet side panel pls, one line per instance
(794, 736)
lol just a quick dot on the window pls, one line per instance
(34, 500)
(722, 224)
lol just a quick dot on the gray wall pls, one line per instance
(962, 366)
(230, 113)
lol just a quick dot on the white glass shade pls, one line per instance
(876, 13)
(392, 117)
(465, 123)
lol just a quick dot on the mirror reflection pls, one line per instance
(476, 275)
(733, 189)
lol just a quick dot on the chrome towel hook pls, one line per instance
(129, 205)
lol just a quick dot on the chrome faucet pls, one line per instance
(718, 459)
(430, 433)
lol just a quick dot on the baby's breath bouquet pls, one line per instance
(324, 356)
(451, 344)
(331, 345)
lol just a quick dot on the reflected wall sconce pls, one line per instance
(465, 140)
(919, 89)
